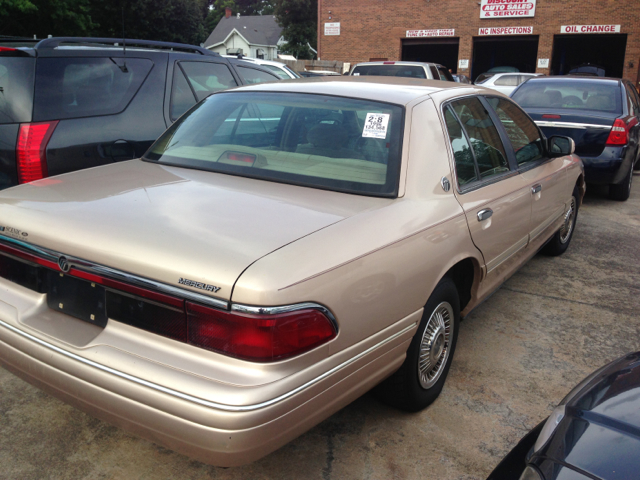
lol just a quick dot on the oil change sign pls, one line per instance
(507, 8)
(590, 29)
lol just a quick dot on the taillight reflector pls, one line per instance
(619, 134)
(261, 338)
(29, 257)
(31, 150)
(549, 115)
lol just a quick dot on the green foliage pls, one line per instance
(48, 17)
(299, 22)
(9, 7)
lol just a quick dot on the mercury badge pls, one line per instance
(63, 263)
(201, 286)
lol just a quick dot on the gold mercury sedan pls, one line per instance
(281, 250)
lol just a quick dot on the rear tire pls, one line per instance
(421, 377)
(622, 190)
(560, 241)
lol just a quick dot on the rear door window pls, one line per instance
(253, 75)
(278, 71)
(445, 75)
(462, 154)
(85, 87)
(483, 135)
(207, 78)
(16, 89)
(523, 134)
(434, 72)
(507, 81)
(633, 100)
(182, 97)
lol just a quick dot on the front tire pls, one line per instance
(560, 241)
(622, 190)
(421, 377)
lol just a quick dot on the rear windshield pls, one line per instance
(16, 89)
(413, 71)
(314, 140)
(85, 87)
(580, 95)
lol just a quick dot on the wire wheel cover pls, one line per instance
(435, 345)
(569, 218)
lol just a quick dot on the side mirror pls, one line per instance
(561, 146)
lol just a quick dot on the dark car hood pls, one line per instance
(600, 433)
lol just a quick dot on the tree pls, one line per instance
(47, 17)
(299, 22)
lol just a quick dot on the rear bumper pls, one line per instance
(219, 437)
(610, 167)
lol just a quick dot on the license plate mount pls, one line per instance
(78, 298)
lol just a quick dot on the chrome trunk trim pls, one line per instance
(201, 401)
(114, 274)
(581, 126)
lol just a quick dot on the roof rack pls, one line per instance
(56, 41)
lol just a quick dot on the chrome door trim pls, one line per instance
(197, 400)
(507, 254)
(114, 274)
(582, 126)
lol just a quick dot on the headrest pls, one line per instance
(326, 135)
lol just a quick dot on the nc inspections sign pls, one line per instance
(507, 8)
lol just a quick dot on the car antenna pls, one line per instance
(124, 46)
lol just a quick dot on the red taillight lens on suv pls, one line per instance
(619, 134)
(261, 338)
(31, 150)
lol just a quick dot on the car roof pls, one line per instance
(391, 62)
(398, 90)
(574, 78)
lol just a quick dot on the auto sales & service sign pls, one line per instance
(507, 8)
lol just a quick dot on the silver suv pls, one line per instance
(432, 71)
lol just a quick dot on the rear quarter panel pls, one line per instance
(375, 268)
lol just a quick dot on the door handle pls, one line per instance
(536, 188)
(484, 214)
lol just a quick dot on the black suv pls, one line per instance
(73, 103)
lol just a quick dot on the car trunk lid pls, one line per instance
(169, 223)
(589, 131)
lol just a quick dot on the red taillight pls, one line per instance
(262, 338)
(619, 134)
(31, 150)
(549, 115)
(388, 63)
(241, 158)
(7, 49)
(27, 256)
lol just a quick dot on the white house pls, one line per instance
(255, 36)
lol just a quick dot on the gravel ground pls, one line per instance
(518, 354)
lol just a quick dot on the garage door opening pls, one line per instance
(442, 50)
(604, 50)
(518, 51)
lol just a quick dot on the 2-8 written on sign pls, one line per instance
(375, 125)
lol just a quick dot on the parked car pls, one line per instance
(432, 71)
(506, 82)
(601, 115)
(281, 249)
(460, 78)
(588, 70)
(318, 73)
(72, 103)
(280, 69)
(593, 434)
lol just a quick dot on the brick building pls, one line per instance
(471, 36)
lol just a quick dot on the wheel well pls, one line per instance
(581, 188)
(463, 274)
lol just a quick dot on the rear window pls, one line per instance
(253, 75)
(314, 140)
(412, 71)
(580, 95)
(278, 71)
(85, 87)
(16, 89)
